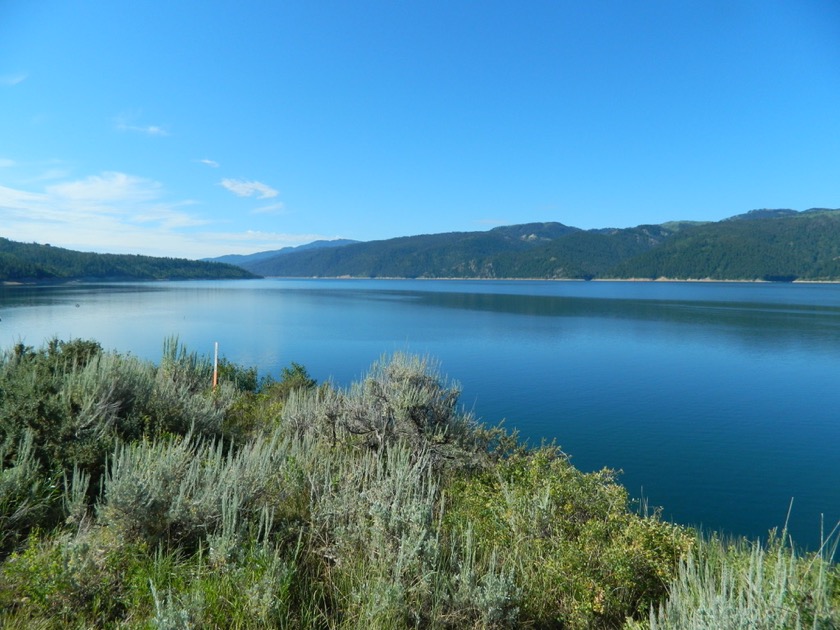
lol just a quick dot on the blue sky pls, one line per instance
(203, 128)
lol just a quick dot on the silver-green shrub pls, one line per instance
(755, 587)
(186, 489)
(373, 516)
(26, 494)
(402, 399)
(483, 596)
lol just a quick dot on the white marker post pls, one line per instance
(216, 365)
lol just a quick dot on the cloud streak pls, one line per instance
(210, 163)
(10, 80)
(243, 188)
(149, 130)
(125, 122)
(272, 208)
(118, 212)
(109, 187)
(109, 212)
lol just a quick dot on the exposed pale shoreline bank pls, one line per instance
(651, 280)
(14, 283)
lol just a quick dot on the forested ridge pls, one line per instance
(773, 245)
(803, 246)
(451, 254)
(759, 245)
(31, 262)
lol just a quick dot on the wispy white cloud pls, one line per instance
(243, 188)
(272, 208)
(210, 163)
(169, 217)
(49, 174)
(149, 130)
(11, 80)
(127, 122)
(111, 211)
(108, 187)
(122, 213)
(33, 172)
(13, 199)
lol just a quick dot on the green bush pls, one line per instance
(582, 558)
(70, 580)
(256, 410)
(257, 591)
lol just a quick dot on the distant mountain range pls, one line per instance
(248, 259)
(31, 262)
(768, 244)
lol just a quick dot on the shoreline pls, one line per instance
(54, 282)
(640, 280)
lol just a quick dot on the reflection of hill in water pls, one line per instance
(773, 324)
(17, 295)
(767, 323)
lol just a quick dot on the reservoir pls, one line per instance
(719, 402)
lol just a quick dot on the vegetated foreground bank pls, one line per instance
(137, 495)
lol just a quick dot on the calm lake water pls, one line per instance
(720, 402)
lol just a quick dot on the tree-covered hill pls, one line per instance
(31, 262)
(767, 244)
(532, 250)
(782, 246)
(245, 259)
(758, 245)
(582, 254)
(452, 254)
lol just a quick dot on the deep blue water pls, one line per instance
(719, 401)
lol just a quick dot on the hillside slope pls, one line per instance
(758, 245)
(245, 259)
(804, 246)
(447, 255)
(31, 262)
